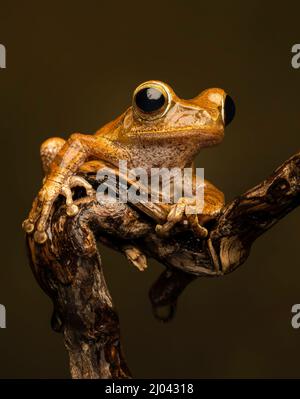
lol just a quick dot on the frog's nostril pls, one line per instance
(228, 110)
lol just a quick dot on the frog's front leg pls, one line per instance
(195, 215)
(48, 151)
(60, 178)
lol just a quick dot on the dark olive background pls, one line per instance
(73, 68)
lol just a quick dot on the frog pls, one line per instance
(158, 130)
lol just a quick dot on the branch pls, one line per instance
(68, 266)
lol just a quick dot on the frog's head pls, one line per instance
(158, 113)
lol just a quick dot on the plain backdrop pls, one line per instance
(72, 68)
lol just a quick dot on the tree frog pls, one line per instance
(158, 130)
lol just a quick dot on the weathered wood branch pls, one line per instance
(69, 269)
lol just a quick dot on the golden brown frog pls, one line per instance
(158, 130)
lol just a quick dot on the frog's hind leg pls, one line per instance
(196, 215)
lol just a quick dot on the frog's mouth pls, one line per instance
(206, 136)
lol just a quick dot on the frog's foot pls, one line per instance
(185, 210)
(42, 205)
(136, 257)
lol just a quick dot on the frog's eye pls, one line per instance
(228, 110)
(150, 100)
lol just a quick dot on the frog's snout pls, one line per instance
(217, 99)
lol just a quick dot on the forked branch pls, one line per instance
(69, 269)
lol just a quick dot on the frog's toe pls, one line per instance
(198, 229)
(40, 237)
(44, 216)
(75, 181)
(28, 226)
(71, 209)
(29, 223)
(175, 216)
(78, 181)
(136, 257)
(184, 211)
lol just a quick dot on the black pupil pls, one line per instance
(229, 110)
(149, 99)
